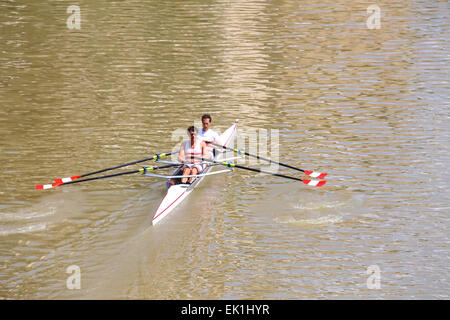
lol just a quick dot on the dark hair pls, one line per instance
(191, 128)
(206, 116)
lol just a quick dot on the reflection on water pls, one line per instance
(368, 106)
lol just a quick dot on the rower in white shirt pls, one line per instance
(190, 152)
(207, 134)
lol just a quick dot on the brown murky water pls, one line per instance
(368, 106)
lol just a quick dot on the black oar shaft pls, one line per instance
(142, 170)
(102, 177)
(155, 157)
(256, 156)
(316, 183)
(233, 165)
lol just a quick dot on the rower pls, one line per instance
(207, 134)
(191, 148)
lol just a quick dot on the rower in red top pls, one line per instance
(194, 147)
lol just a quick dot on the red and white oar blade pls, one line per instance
(65, 180)
(314, 183)
(315, 174)
(47, 186)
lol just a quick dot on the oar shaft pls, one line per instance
(314, 174)
(317, 183)
(257, 157)
(69, 179)
(142, 170)
(155, 157)
(102, 177)
(233, 165)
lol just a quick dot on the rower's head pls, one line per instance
(192, 131)
(206, 122)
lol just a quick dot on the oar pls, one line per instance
(315, 183)
(310, 173)
(68, 179)
(142, 170)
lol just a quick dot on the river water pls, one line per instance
(369, 106)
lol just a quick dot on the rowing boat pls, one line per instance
(178, 192)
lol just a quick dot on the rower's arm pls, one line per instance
(205, 153)
(181, 157)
